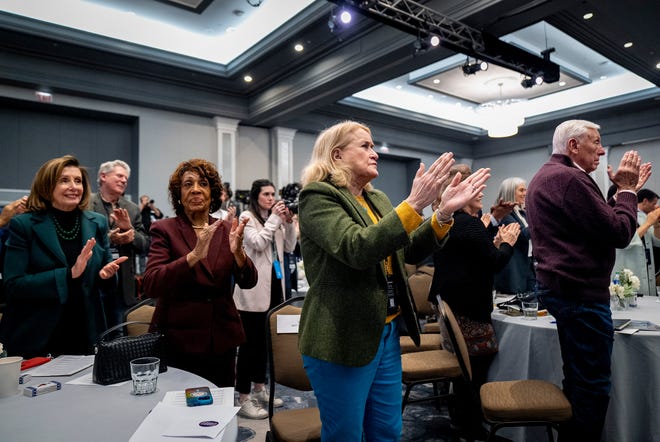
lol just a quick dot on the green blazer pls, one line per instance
(36, 287)
(345, 307)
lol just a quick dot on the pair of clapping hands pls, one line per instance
(427, 184)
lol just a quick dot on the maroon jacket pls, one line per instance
(195, 309)
(575, 231)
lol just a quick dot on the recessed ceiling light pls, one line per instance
(628, 44)
(657, 66)
(588, 15)
(603, 77)
(562, 83)
(398, 86)
(436, 80)
(247, 78)
(298, 47)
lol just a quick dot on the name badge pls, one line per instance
(115, 253)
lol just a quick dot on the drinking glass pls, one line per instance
(144, 372)
(530, 309)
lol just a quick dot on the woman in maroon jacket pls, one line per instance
(194, 262)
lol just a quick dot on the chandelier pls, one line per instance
(501, 118)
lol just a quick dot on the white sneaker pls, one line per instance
(263, 396)
(251, 409)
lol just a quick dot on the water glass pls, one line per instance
(530, 309)
(144, 372)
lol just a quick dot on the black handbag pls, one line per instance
(113, 357)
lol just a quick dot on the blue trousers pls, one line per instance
(586, 337)
(360, 400)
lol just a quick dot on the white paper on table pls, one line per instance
(64, 365)
(628, 331)
(87, 379)
(287, 323)
(168, 422)
(221, 396)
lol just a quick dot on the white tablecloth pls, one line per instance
(530, 350)
(95, 413)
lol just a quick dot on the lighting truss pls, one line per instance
(418, 20)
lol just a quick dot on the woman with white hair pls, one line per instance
(518, 275)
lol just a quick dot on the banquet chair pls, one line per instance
(518, 403)
(143, 312)
(286, 368)
(420, 284)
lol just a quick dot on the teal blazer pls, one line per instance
(344, 312)
(35, 277)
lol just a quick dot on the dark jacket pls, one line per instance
(517, 276)
(195, 309)
(575, 231)
(465, 266)
(345, 307)
(35, 276)
(140, 244)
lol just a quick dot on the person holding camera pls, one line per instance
(269, 233)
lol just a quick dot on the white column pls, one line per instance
(282, 166)
(227, 129)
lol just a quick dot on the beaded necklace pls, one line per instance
(67, 235)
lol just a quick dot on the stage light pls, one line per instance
(339, 20)
(473, 68)
(538, 80)
(345, 16)
(434, 40)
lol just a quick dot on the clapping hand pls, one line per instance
(201, 248)
(83, 258)
(509, 233)
(426, 185)
(112, 267)
(627, 176)
(459, 193)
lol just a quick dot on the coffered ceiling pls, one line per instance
(368, 71)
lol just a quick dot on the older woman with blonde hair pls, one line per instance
(355, 244)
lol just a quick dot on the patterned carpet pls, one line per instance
(422, 422)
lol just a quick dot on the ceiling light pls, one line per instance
(434, 40)
(628, 45)
(562, 83)
(538, 80)
(588, 15)
(603, 77)
(345, 16)
(657, 66)
(501, 118)
(398, 86)
(44, 97)
(298, 47)
(436, 81)
(339, 20)
(247, 78)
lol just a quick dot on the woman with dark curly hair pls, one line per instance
(194, 262)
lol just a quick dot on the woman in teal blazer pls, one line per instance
(57, 261)
(355, 244)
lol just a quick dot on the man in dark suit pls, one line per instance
(127, 235)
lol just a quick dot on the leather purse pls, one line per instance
(113, 356)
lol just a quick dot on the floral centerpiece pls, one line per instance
(623, 289)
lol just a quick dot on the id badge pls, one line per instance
(278, 269)
(115, 253)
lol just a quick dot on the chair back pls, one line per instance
(453, 339)
(420, 285)
(143, 312)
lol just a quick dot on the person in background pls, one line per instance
(127, 235)
(575, 233)
(194, 262)
(57, 260)
(150, 213)
(638, 255)
(227, 210)
(518, 275)
(8, 212)
(269, 233)
(355, 245)
(465, 268)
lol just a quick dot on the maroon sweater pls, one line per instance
(575, 231)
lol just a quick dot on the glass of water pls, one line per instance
(530, 309)
(144, 372)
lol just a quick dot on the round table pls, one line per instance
(90, 412)
(529, 349)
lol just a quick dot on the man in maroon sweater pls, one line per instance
(574, 234)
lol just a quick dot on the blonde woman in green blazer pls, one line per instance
(355, 244)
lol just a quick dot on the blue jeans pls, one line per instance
(586, 337)
(357, 400)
